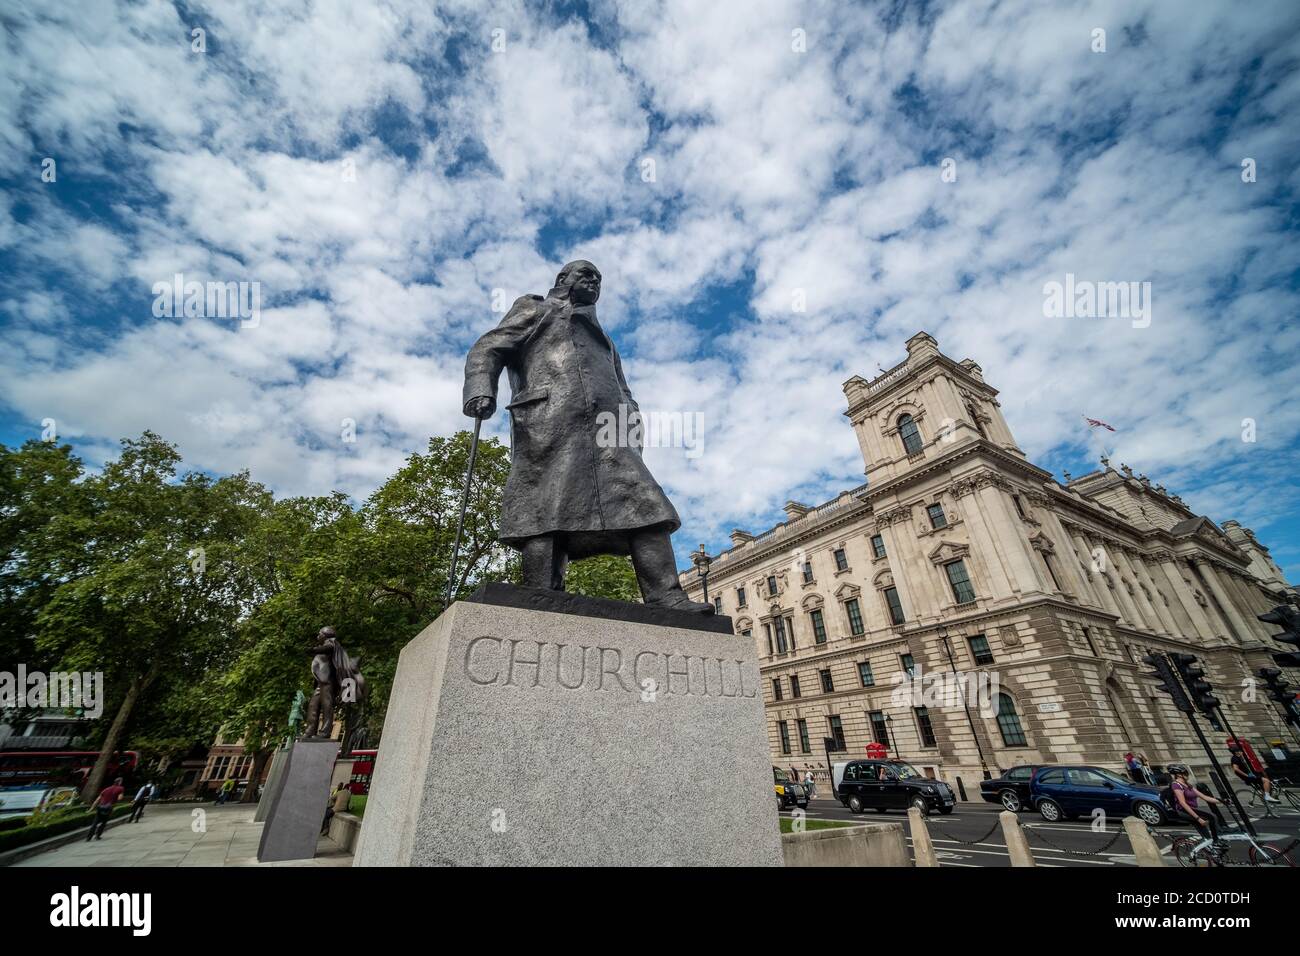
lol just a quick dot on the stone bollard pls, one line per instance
(922, 847)
(1017, 845)
(1145, 850)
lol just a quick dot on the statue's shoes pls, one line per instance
(678, 601)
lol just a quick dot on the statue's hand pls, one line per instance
(482, 407)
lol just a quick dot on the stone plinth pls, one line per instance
(297, 810)
(273, 781)
(516, 736)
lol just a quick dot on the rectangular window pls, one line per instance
(937, 518)
(1087, 636)
(837, 731)
(864, 673)
(776, 689)
(794, 686)
(805, 745)
(841, 560)
(807, 572)
(785, 737)
(740, 597)
(767, 630)
(1051, 571)
(960, 581)
(818, 624)
(909, 665)
(779, 624)
(747, 634)
(789, 629)
(828, 685)
(895, 606)
(771, 584)
(1020, 508)
(855, 617)
(979, 648)
(879, 727)
(878, 545)
(924, 726)
(717, 605)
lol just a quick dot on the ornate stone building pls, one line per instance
(960, 555)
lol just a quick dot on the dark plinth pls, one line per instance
(561, 602)
(298, 807)
(274, 783)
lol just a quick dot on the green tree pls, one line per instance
(153, 590)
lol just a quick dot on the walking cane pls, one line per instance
(464, 503)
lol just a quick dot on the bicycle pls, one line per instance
(1192, 851)
(1281, 792)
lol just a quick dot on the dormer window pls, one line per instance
(910, 434)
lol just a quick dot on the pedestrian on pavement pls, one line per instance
(1148, 775)
(1131, 765)
(226, 790)
(811, 784)
(338, 804)
(142, 798)
(104, 808)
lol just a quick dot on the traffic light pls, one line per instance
(1167, 681)
(1280, 691)
(1289, 618)
(1198, 688)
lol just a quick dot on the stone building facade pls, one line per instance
(960, 555)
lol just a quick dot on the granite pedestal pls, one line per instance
(517, 736)
(274, 780)
(297, 810)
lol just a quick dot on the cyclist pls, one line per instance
(1186, 798)
(1257, 779)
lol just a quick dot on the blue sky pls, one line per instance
(795, 148)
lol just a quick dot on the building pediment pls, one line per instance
(948, 551)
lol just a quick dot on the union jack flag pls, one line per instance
(1097, 423)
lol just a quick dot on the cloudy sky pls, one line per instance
(390, 172)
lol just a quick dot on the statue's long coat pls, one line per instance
(565, 378)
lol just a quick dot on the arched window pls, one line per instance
(911, 435)
(1013, 735)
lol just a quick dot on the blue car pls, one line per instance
(1063, 793)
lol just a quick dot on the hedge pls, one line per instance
(12, 839)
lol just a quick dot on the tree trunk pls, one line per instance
(260, 758)
(95, 779)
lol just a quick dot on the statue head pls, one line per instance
(327, 634)
(578, 281)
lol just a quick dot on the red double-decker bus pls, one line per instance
(362, 770)
(25, 768)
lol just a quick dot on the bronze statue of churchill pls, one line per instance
(568, 495)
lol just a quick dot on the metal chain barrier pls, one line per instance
(956, 839)
(1061, 849)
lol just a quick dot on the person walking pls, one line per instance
(1133, 768)
(339, 801)
(104, 808)
(226, 790)
(810, 783)
(1144, 767)
(142, 798)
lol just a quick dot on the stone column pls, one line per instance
(982, 541)
(1107, 599)
(1145, 607)
(1236, 625)
(907, 569)
(1201, 620)
(1014, 546)
(1166, 616)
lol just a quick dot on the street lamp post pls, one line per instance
(947, 646)
(889, 731)
(701, 561)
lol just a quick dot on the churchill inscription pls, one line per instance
(510, 662)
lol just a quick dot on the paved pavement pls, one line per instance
(176, 836)
(971, 836)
